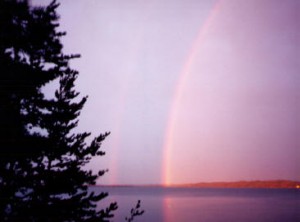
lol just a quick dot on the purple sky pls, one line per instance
(237, 113)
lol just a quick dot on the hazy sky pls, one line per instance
(191, 90)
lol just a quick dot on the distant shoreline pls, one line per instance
(272, 184)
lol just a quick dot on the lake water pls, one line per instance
(206, 205)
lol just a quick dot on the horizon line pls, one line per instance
(199, 183)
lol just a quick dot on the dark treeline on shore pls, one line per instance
(247, 184)
(284, 184)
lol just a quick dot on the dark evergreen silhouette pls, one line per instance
(28, 41)
(42, 174)
(136, 211)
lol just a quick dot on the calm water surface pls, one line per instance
(206, 205)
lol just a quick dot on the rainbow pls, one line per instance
(177, 98)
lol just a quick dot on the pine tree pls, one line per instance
(41, 169)
(61, 168)
(25, 47)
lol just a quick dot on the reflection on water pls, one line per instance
(207, 205)
(167, 209)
